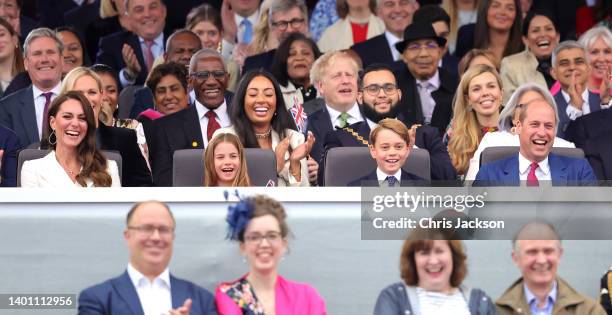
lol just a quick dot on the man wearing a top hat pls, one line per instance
(427, 91)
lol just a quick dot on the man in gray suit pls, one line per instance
(25, 111)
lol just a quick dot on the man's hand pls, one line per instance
(183, 310)
(575, 92)
(131, 61)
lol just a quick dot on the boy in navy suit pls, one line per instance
(389, 146)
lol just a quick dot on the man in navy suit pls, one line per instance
(286, 17)
(598, 150)
(133, 53)
(396, 14)
(9, 145)
(390, 147)
(571, 69)
(535, 164)
(379, 97)
(190, 128)
(24, 110)
(147, 287)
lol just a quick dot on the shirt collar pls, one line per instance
(55, 90)
(434, 80)
(253, 18)
(138, 279)
(202, 110)
(584, 95)
(382, 175)
(353, 112)
(552, 295)
(159, 40)
(525, 164)
(391, 38)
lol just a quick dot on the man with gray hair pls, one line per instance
(537, 251)
(571, 68)
(285, 17)
(25, 111)
(192, 128)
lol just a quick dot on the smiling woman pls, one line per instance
(74, 53)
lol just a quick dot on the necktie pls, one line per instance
(247, 36)
(391, 181)
(149, 58)
(532, 179)
(344, 116)
(213, 124)
(426, 106)
(43, 128)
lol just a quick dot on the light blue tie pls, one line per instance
(247, 36)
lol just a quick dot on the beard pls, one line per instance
(370, 113)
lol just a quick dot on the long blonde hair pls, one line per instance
(210, 175)
(262, 41)
(466, 129)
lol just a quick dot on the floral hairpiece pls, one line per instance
(238, 215)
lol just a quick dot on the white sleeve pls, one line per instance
(29, 177)
(572, 112)
(113, 170)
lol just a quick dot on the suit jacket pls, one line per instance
(118, 296)
(26, 25)
(314, 105)
(263, 60)
(8, 165)
(20, 81)
(518, 69)
(123, 140)
(426, 138)
(598, 151)
(46, 172)
(450, 63)
(564, 120)
(371, 180)
(177, 131)
(564, 171)
(443, 97)
(465, 39)
(17, 112)
(109, 52)
(589, 126)
(374, 50)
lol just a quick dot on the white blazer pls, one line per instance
(295, 139)
(46, 172)
(340, 34)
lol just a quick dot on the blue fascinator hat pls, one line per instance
(238, 216)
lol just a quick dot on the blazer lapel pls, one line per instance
(322, 123)
(594, 102)
(191, 127)
(561, 109)
(28, 115)
(126, 290)
(178, 290)
(558, 170)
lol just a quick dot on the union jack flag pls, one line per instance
(299, 116)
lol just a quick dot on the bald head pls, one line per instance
(143, 204)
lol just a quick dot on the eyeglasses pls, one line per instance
(415, 47)
(374, 89)
(148, 230)
(272, 238)
(282, 25)
(202, 76)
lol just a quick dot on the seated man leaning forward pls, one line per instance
(537, 251)
(147, 287)
(535, 164)
(390, 147)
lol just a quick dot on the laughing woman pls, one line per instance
(225, 163)
(74, 159)
(259, 225)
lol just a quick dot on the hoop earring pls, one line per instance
(52, 135)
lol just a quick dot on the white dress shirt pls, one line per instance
(573, 113)
(157, 49)
(39, 104)
(354, 115)
(222, 118)
(155, 297)
(427, 102)
(392, 40)
(382, 177)
(253, 18)
(542, 172)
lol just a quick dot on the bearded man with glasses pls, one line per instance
(147, 287)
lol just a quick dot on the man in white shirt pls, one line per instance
(571, 69)
(147, 287)
(537, 252)
(192, 128)
(133, 53)
(396, 14)
(535, 165)
(24, 111)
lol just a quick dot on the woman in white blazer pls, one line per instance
(354, 15)
(74, 160)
